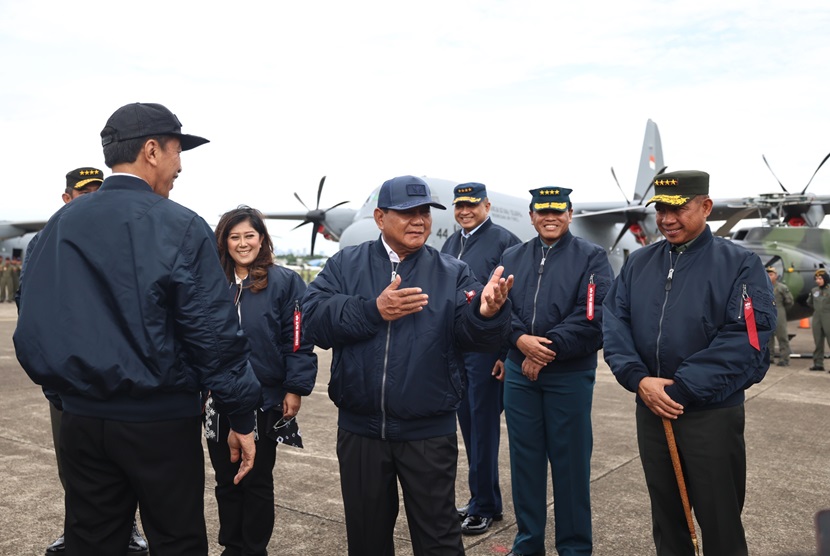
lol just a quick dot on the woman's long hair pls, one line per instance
(258, 271)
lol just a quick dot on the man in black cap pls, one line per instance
(687, 325)
(124, 314)
(550, 372)
(399, 315)
(479, 243)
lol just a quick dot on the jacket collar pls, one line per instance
(125, 181)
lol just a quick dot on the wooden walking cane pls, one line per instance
(681, 482)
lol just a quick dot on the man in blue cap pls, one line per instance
(687, 325)
(399, 315)
(550, 372)
(479, 243)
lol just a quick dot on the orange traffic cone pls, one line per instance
(805, 323)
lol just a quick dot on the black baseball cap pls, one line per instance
(140, 119)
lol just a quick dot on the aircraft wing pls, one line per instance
(610, 213)
(16, 229)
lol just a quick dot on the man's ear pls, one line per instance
(379, 214)
(151, 151)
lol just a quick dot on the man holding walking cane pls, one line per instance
(686, 327)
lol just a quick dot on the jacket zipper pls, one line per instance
(386, 365)
(667, 288)
(538, 287)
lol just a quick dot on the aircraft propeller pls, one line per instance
(633, 219)
(316, 216)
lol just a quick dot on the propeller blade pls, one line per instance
(301, 225)
(335, 206)
(776, 177)
(320, 191)
(301, 201)
(814, 174)
(645, 193)
(627, 202)
(313, 238)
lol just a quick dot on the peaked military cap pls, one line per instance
(822, 272)
(81, 177)
(138, 119)
(551, 198)
(471, 192)
(772, 269)
(678, 188)
(405, 192)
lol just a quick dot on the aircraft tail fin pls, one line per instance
(651, 161)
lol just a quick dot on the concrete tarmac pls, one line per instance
(788, 451)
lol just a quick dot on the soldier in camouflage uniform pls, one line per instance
(783, 301)
(819, 300)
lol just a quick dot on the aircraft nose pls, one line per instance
(358, 232)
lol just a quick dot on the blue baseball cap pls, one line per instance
(405, 192)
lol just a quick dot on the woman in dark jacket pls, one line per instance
(267, 299)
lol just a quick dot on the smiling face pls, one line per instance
(551, 224)
(244, 244)
(405, 231)
(470, 216)
(682, 224)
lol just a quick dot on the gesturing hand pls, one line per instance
(495, 293)
(394, 303)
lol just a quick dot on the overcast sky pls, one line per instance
(514, 94)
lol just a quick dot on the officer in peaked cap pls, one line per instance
(81, 181)
(561, 281)
(686, 327)
(480, 243)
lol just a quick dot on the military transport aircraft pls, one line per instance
(619, 226)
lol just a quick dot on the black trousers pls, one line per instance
(246, 510)
(110, 466)
(426, 469)
(713, 458)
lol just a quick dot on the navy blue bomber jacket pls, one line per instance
(691, 329)
(403, 379)
(553, 303)
(267, 318)
(125, 313)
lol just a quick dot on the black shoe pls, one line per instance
(817, 368)
(137, 543)
(57, 546)
(476, 525)
(462, 512)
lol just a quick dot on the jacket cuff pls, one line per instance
(676, 393)
(243, 423)
(370, 309)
